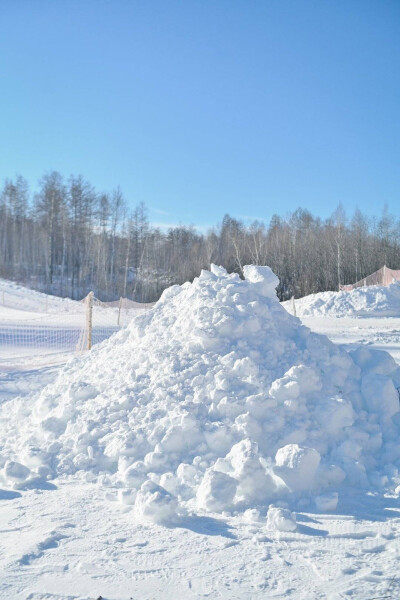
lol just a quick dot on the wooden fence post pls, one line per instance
(294, 306)
(89, 319)
(119, 310)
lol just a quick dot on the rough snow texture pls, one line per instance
(216, 400)
(371, 301)
(280, 519)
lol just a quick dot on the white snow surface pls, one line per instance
(215, 400)
(369, 301)
(25, 299)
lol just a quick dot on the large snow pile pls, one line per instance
(216, 400)
(370, 301)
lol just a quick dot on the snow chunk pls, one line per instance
(218, 271)
(263, 279)
(297, 380)
(216, 491)
(297, 466)
(280, 519)
(15, 472)
(380, 395)
(334, 414)
(153, 503)
(374, 361)
(255, 484)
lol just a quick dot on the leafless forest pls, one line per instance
(68, 239)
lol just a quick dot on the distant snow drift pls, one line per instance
(372, 301)
(215, 400)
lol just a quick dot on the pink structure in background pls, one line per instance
(384, 276)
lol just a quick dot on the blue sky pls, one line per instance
(199, 108)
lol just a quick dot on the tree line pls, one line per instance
(68, 239)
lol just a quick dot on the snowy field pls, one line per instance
(89, 510)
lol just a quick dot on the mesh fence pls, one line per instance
(102, 319)
(383, 276)
(54, 331)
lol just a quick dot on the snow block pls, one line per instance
(380, 395)
(216, 491)
(297, 466)
(153, 503)
(263, 279)
(280, 519)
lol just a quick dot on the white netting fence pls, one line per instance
(384, 276)
(102, 319)
(55, 329)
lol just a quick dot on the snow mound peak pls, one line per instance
(215, 400)
(263, 279)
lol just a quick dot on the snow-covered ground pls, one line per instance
(77, 533)
(380, 333)
(72, 542)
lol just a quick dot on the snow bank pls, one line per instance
(371, 301)
(215, 400)
(20, 298)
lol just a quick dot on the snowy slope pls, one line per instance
(18, 297)
(374, 301)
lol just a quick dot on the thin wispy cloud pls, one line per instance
(159, 211)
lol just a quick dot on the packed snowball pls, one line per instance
(368, 301)
(217, 400)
